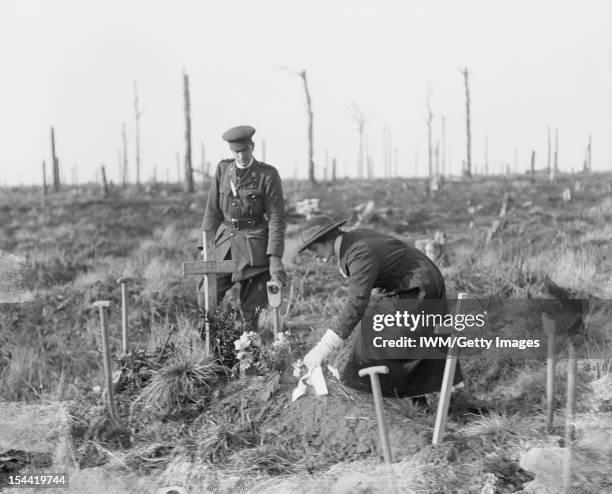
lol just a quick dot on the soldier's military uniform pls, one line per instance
(246, 209)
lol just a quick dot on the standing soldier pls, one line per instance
(246, 209)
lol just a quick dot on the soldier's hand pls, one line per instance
(277, 270)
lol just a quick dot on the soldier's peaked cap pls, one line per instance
(239, 137)
(315, 228)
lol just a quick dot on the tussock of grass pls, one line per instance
(22, 379)
(185, 378)
(217, 437)
(492, 423)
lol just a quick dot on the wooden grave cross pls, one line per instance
(209, 268)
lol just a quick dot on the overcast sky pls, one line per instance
(71, 65)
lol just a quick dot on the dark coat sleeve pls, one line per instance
(213, 216)
(275, 212)
(363, 267)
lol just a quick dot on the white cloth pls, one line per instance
(313, 377)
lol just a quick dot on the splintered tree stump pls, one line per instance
(567, 195)
(434, 248)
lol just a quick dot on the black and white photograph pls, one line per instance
(306, 246)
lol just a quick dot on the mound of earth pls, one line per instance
(313, 432)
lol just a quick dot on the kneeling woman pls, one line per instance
(409, 281)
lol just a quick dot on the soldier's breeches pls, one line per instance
(253, 295)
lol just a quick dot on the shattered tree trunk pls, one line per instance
(533, 161)
(203, 164)
(429, 150)
(360, 162)
(137, 116)
(188, 170)
(125, 160)
(515, 160)
(54, 163)
(104, 182)
(311, 173)
(44, 170)
(333, 169)
(468, 165)
(385, 155)
(587, 159)
(119, 167)
(390, 151)
(548, 156)
(486, 162)
(443, 145)
(326, 169)
(360, 120)
(396, 161)
(555, 166)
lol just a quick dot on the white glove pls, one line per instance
(328, 343)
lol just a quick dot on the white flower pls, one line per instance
(297, 368)
(243, 342)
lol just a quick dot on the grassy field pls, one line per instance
(180, 410)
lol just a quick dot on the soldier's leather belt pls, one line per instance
(243, 223)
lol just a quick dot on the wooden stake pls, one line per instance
(549, 326)
(123, 281)
(447, 386)
(571, 395)
(103, 306)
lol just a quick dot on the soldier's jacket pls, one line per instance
(372, 259)
(259, 197)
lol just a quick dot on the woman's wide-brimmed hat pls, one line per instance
(315, 228)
